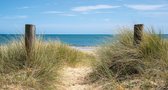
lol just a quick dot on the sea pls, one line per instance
(79, 40)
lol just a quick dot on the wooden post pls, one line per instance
(138, 33)
(29, 37)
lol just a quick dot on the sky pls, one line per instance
(82, 16)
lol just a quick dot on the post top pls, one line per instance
(139, 24)
(29, 25)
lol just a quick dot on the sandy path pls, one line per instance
(75, 78)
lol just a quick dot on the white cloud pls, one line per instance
(90, 8)
(97, 12)
(53, 12)
(103, 12)
(25, 7)
(85, 13)
(15, 17)
(59, 13)
(144, 7)
(66, 14)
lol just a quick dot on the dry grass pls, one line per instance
(40, 71)
(118, 66)
(123, 64)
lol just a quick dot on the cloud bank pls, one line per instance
(90, 8)
(144, 7)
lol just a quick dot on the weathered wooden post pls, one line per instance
(29, 37)
(138, 33)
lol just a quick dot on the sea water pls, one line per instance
(71, 39)
(80, 40)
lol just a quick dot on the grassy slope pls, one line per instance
(121, 65)
(17, 71)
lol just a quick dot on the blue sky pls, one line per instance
(81, 16)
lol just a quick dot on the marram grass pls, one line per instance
(122, 62)
(40, 70)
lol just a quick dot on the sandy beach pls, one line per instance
(85, 49)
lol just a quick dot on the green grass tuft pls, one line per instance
(40, 70)
(121, 60)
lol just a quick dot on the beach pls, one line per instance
(88, 49)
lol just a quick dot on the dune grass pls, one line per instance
(40, 70)
(119, 65)
(122, 64)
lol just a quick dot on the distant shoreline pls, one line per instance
(72, 40)
(84, 48)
